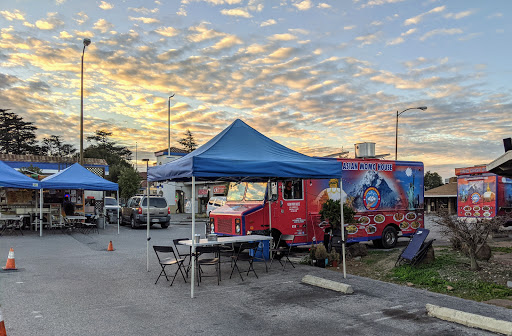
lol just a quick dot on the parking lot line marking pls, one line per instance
(383, 318)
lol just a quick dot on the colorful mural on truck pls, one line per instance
(381, 193)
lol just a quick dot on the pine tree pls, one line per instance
(54, 146)
(188, 142)
(16, 135)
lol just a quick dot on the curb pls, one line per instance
(470, 320)
(328, 284)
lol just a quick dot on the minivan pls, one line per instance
(215, 202)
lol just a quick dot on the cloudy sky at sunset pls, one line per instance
(316, 76)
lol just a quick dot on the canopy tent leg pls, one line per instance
(41, 212)
(342, 224)
(104, 217)
(269, 207)
(193, 207)
(117, 194)
(147, 223)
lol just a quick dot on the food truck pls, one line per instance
(481, 194)
(387, 197)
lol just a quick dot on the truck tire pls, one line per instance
(389, 237)
(164, 225)
(133, 223)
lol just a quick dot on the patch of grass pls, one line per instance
(501, 249)
(448, 275)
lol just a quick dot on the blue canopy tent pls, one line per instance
(241, 153)
(78, 177)
(11, 178)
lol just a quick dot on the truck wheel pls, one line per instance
(389, 237)
(133, 223)
(164, 225)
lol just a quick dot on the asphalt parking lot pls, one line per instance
(68, 284)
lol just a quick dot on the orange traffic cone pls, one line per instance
(2, 325)
(110, 247)
(11, 264)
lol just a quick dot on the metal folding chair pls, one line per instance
(282, 250)
(207, 256)
(182, 254)
(167, 257)
(246, 252)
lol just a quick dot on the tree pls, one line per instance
(16, 135)
(432, 180)
(188, 142)
(104, 148)
(54, 146)
(469, 234)
(129, 182)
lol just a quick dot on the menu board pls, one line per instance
(476, 196)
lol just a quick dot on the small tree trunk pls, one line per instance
(472, 258)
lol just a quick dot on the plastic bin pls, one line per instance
(263, 251)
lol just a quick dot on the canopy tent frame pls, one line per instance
(79, 178)
(240, 153)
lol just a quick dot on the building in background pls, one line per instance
(442, 196)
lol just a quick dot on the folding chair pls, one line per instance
(417, 248)
(245, 256)
(181, 254)
(207, 261)
(91, 226)
(282, 250)
(170, 259)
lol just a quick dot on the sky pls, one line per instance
(315, 76)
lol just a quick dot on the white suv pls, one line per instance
(215, 202)
(111, 207)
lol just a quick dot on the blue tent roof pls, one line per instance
(77, 177)
(11, 178)
(242, 153)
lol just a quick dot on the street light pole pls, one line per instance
(86, 43)
(423, 108)
(169, 126)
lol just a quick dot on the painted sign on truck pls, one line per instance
(387, 197)
(481, 194)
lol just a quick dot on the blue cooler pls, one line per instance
(263, 251)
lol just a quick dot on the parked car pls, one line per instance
(111, 207)
(134, 212)
(215, 202)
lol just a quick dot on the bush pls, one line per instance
(321, 252)
(331, 211)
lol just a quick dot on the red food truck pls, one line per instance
(387, 197)
(481, 194)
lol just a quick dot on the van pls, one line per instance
(215, 202)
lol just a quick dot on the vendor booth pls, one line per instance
(67, 188)
(14, 197)
(240, 153)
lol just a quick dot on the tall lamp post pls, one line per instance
(169, 126)
(423, 108)
(86, 43)
(147, 214)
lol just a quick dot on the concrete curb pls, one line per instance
(470, 320)
(328, 284)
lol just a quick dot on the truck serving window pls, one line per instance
(236, 191)
(292, 189)
(256, 191)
